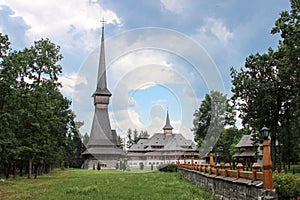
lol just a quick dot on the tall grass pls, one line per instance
(104, 184)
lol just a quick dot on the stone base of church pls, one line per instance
(104, 164)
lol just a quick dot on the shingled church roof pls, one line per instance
(168, 125)
(245, 142)
(162, 144)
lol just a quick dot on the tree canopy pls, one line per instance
(266, 90)
(36, 123)
(213, 115)
(134, 137)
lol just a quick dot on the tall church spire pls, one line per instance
(101, 129)
(101, 79)
(168, 128)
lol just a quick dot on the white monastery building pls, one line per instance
(162, 148)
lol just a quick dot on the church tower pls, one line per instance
(103, 146)
(168, 128)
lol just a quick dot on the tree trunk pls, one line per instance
(40, 170)
(29, 167)
(273, 149)
(274, 131)
(7, 171)
(15, 170)
(47, 169)
(36, 171)
(21, 168)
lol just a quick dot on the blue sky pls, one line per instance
(161, 54)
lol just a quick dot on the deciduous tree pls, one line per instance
(266, 91)
(213, 115)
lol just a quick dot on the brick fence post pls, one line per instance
(255, 168)
(227, 167)
(267, 166)
(218, 167)
(211, 162)
(239, 169)
(206, 168)
(201, 168)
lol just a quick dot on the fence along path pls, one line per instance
(227, 183)
(255, 174)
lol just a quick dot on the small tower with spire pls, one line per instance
(168, 128)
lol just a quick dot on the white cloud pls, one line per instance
(146, 85)
(217, 28)
(138, 71)
(186, 132)
(159, 102)
(156, 125)
(176, 6)
(69, 81)
(131, 102)
(220, 42)
(135, 118)
(70, 23)
(190, 93)
(145, 77)
(143, 69)
(124, 119)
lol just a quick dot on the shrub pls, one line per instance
(287, 186)
(123, 166)
(141, 166)
(168, 168)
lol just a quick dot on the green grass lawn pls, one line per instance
(104, 184)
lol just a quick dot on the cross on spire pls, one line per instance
(103, 22)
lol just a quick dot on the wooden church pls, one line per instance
(103, 146)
